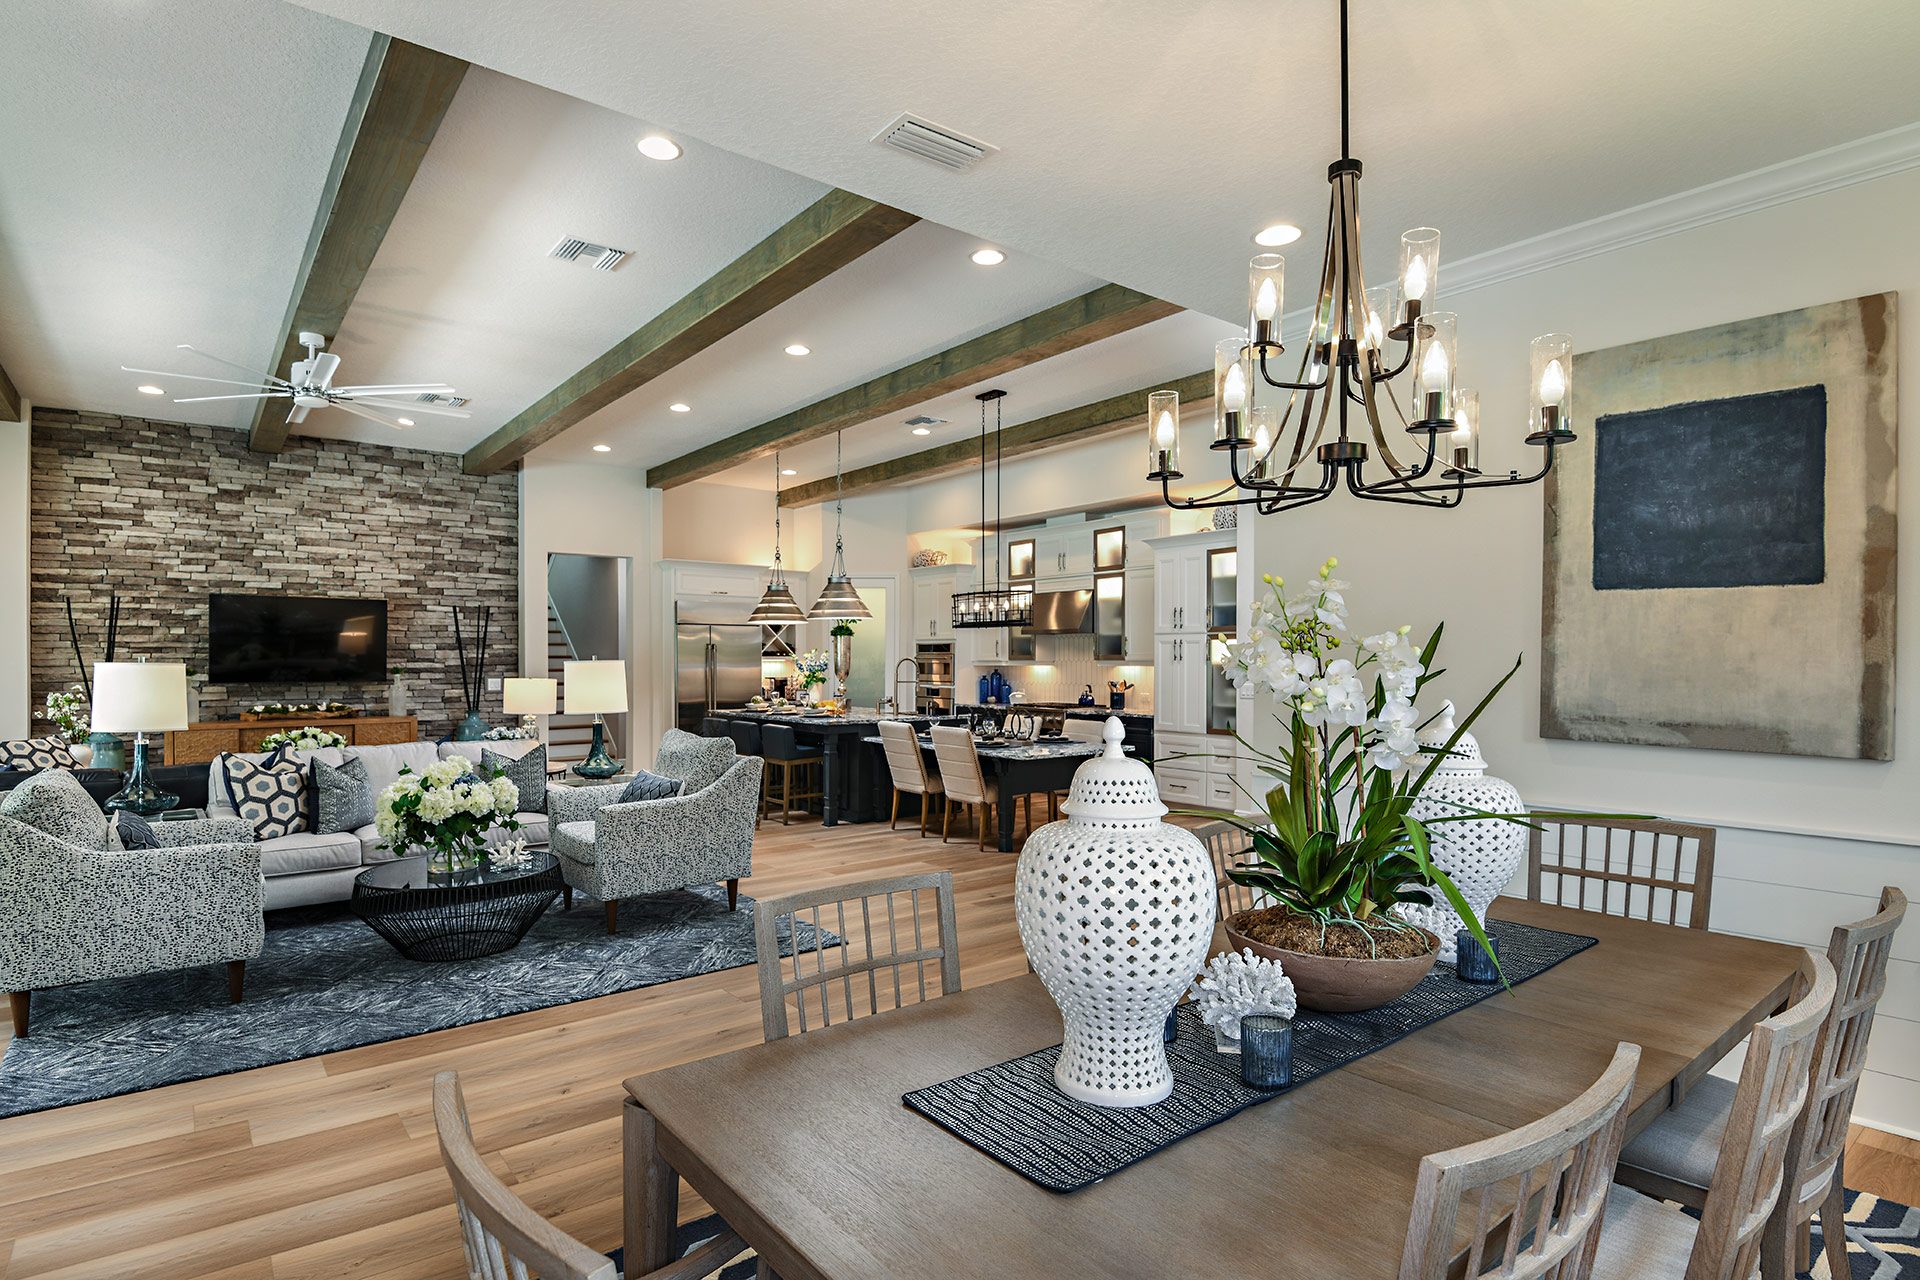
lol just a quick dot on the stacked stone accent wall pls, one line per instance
(168, 514)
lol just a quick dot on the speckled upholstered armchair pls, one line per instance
(704, 835)
(74, 909)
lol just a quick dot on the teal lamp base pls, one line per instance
(140, 795)
(598, 763)
(108, 752)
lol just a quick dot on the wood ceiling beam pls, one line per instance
(403, 94)
(1069, 426)
(830, 233)
(1076, 322)
(9, 399)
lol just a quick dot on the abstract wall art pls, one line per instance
(1720, 558)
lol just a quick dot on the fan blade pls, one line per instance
(370, 416)
(404, 406)
(244, 395)
(299, 414)
(324, 365)
(440, 387)
(201, 377)
(204, 355)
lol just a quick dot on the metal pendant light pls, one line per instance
(838, 599)
(777, 605)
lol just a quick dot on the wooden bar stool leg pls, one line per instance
(786, 794)
(893, 823)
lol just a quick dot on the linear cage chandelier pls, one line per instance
(998, 602)
(1331, 414)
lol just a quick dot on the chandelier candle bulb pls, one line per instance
(1266, 292)
(1419, 272)
(1163, 435)
(1230, 387)
(1437, 360)
(1550, 360)
(1265, 420)
(1464, 439)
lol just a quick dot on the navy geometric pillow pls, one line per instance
(649, 786)
(272, 795)
(35, 754)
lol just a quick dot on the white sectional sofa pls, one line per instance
(306, 867)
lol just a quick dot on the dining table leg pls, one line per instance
(1005, 807)
(651, 1205)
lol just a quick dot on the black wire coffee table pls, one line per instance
(455, 915)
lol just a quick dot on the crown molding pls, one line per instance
(1861, 160)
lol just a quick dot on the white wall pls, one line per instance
(16, 575)
(1804, 843)
(585, 509)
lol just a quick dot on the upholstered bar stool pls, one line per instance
(786, 755)
(959, 762)
(909, 769)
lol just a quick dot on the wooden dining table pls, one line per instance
(805, 1148)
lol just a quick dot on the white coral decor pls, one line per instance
(1233, 986)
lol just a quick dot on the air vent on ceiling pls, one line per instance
(929, 141)
(602, 257)
(436, 397)
(922, 420)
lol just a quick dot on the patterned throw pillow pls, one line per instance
(55, 803)
(133, 831)
(529, 773)
(272, 795)
(649, 786)
(33, 754)
(342, 796)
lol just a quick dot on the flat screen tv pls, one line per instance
(295, 640)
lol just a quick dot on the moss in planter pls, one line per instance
(1291, 931)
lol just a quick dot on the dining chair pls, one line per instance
(1228, 846)
(506, 1240)
(959, 763)
(1674, 1158)
(1642, 869)
(1743, 1224)
(785, 754)
(1081, 730)
(1535, 1195)
(883, 926)
(908, 766)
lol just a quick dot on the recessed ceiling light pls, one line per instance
(658, 147)
(405, 422)
(988, 257)
(923, 431)
(603, 448)
(1276, 235)
(677, 407)
(150, 390)
(788, 471)
(798, 349)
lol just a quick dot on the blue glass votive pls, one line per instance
(1172, 1030)
(1473, 964)
(1266, 1051)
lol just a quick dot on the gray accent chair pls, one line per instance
(73, 913)
(704, 835)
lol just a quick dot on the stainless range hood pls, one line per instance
(1062, 613)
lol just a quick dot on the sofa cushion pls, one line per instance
(528, 772)
(384, 763)
(35, 754)
(342, 797)
(271, 794)
(54, 803)
(373, 847)
(309, 851)
(533, 829)
(573, 841)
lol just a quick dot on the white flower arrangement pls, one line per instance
(306, 739)
(295, 708)
(508, 733)
(448, 809)
(1235, 985)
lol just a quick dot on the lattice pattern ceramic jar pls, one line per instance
(1479, 856)
(1116, 909)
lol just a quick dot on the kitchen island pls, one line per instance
(853, 780)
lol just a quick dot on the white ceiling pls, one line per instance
(1129, 148)
(159, 169)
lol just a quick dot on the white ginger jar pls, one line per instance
(1480, 856)
(1116, 910)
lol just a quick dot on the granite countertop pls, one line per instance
(855, 718)
(1024, 750)
(1072, 709)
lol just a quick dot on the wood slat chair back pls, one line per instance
(1079, 730)
(1527, 1203)
(959, 761)
(896, 933)
(1228, 846)
(905, 761)
(1750, 1171)
(1645, 870)
(506, 1240)
(1858, 954)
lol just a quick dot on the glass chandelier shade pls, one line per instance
(838, 599)
(777, 604)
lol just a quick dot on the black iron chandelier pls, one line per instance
(1331, 413)
(997, 602)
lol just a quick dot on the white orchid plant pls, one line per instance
(305, 739)
(448, 809)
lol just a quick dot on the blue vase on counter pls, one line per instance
(986, 690)
(1002, 691)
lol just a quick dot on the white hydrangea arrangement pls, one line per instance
(306, 739)
(508, 733)
(1235, 985)
(448, 810)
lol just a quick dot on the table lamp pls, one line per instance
(529, 697)
(597, 686)
(139, 698)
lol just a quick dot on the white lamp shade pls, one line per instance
(139, 697)
(529, 696)
(596, 686)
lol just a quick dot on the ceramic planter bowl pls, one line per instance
(1335, 984)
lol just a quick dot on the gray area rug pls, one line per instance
(327, 982)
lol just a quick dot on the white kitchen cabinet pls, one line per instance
(1180, 581)
(1179, 684)
(933, 588)
(1140, 613)
(1064, 551)
(1195, 768)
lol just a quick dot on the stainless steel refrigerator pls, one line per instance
(716, 660)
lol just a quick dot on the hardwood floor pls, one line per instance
(328, 1167)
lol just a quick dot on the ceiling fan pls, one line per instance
(311, 387)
